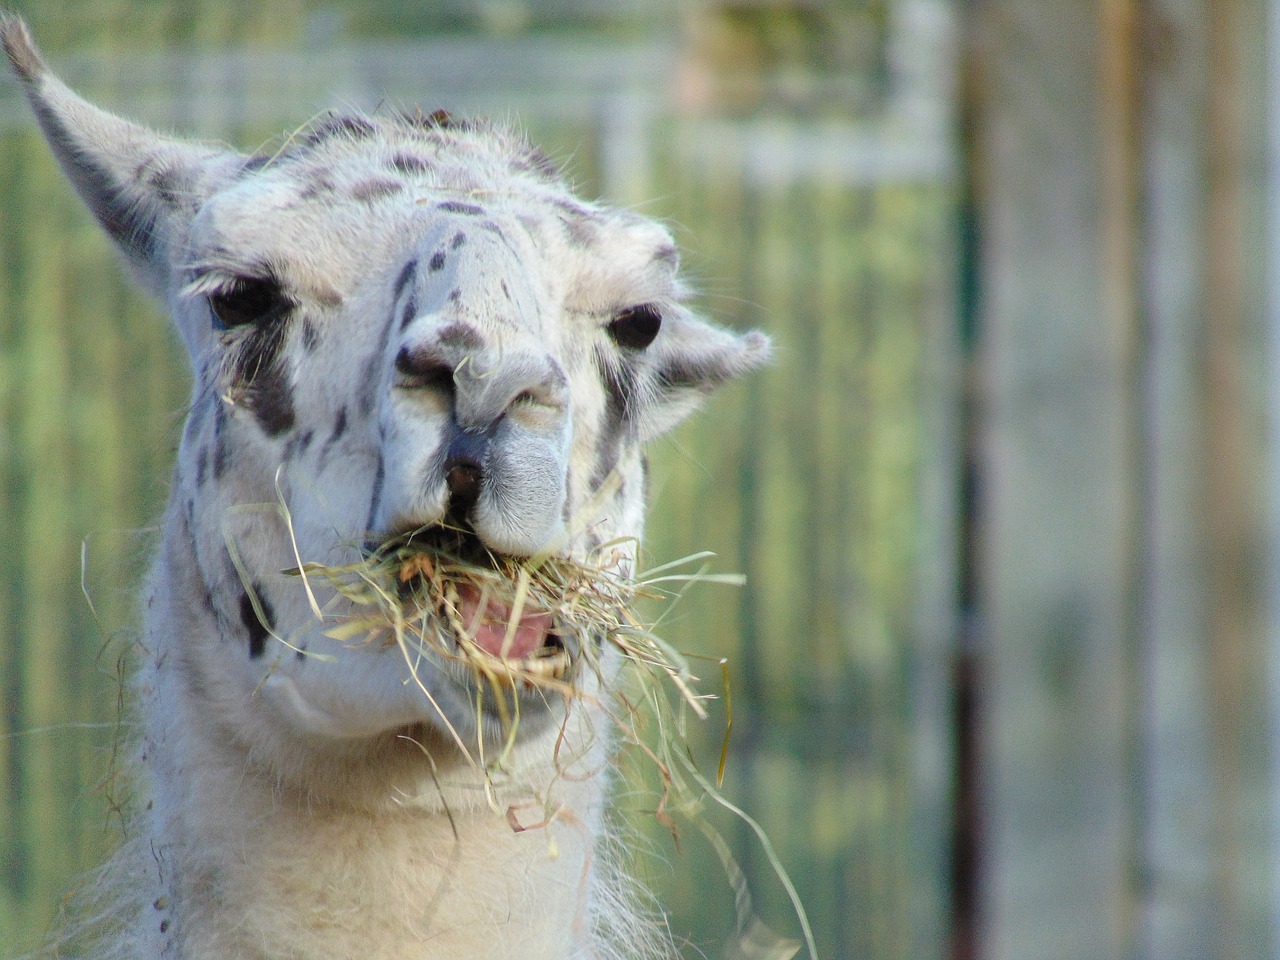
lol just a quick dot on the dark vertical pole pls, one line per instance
(966, 676)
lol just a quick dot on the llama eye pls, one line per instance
(636, 327)
(249, 300)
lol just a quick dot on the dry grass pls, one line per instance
(410, 592)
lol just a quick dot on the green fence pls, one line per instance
(814, 479)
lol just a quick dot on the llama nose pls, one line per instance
(464, 468)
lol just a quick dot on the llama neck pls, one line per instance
(255, 876)
(378, 857)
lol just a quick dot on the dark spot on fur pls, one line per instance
(259, 378)
(370, 191)
(202, 466)
(409, 312)
(668, 255)
(271, 400)
(375, 500)
(505, 292)
(219, 438)
(608, 454)
(259, 628)
(339, 124)
(455, 295)
(320, 182)
(405, 277)
(409, 164)
(339, 428)
(575, 210)
(458, 240)
(339, 424)
(254, 163)
(437, 261)
(619, 381)
(456, 206)
(535, 160)
(460, 336)
(424, 367)
(298, 444)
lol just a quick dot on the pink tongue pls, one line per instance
(490, 629)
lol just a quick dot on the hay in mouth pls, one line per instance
(514, 623)
(511, 621)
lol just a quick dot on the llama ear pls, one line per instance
(138, 184)
(689, 360)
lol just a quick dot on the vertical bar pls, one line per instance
(1271, 97)
(1226, 484)
(1055, 554)
(1120, 233)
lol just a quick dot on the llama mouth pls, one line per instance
(468, 590)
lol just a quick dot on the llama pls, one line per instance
(394, 323)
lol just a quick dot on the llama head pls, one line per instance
(395, 323)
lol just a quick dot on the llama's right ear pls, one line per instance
(139, 184)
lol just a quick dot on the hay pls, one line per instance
(415, 591)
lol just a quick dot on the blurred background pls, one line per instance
(1004, 673)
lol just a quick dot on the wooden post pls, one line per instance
(1056, 507)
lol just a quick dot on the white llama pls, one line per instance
(392, 321)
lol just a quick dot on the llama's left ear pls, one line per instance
(689, 360)
(139, 184)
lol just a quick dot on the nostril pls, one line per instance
(464, 469)
(423, 368)
(463, 478)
